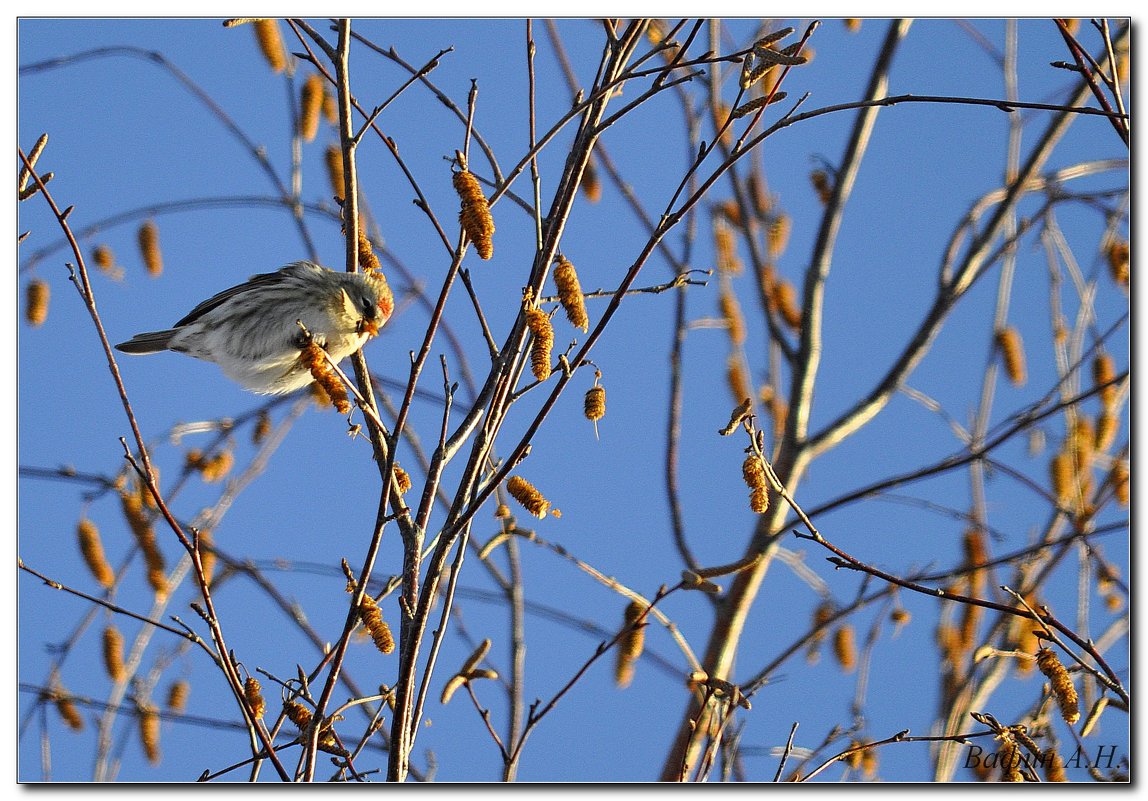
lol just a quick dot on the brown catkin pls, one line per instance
(729, 210)
(262, 428)
(1023, 635)
(779, 411)
(526, 494)
(758, 196)
(36, 302)
(1020, 732)
(145, 495)
(1081, 441)
(852, 24)
(312, 357)
(821, 185)
(950, 644)
(900, 616)
(737, 380)
(844, 649)
(594, 404)
(1118, 480)
(148, 236)
(630, 645)
(297, 714)
(753, 472)
(149, 733)
(113, 647)
(853, 760)
(330, 106)
(368, 261)
(1012, 353)
(310, 106)
(570, 294)
(973, 544)
(177, 695)
(821, 616)
(1054, 767)
(271, 43)
(92, 549)
(251, 692)
(731, 313)
(785, 296)
(372, 618)
(1060, 470)
(539, 324)
(207, 554)
(967, 633)
(145, 536)
(402, 479)
(1009, 758)
(777, 235)
(721, 113)
(869, 763)
(333, 158)
(725, 248)
(759, 500)
(103, 257)
(218, 466)
(1107, 426)
(156, 578)
(591, 183)
(68, 711)
(1062, 687)
(1103, 373)
(475, 213)
(1118, 255)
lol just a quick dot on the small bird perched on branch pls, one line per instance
(252, 331)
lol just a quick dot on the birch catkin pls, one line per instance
(149, 733)
(36, 302)
(594, 404)
(526, 494)
(271, 43)
(570, 294)
(312, 357)
(474, 215)
(731, 314)
(372, 618)
(148, 236)
(113, 645)
(310, 106)
(844, 648)
(252, 693)
(333, 158)
(1012, 352)
(92, 549)
(539, 324)
(177, 695)
(1062, 687)
(630, 646)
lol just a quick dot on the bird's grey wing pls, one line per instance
(255, 282)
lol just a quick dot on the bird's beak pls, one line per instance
(369, 327)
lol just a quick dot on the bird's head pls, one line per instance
(369, 301)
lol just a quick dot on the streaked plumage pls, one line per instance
(250, 330)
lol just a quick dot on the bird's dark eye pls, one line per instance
(367, 305)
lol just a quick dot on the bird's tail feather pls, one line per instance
(150, 342)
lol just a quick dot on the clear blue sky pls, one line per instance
(124, 135)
